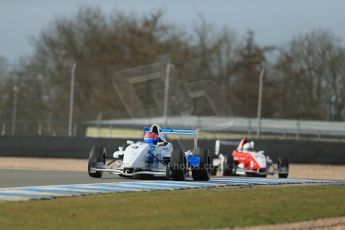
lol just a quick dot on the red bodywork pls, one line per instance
(241, 156)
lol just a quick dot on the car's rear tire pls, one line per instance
(229, 166)
(97, 157)
(214, 170)
(177, 166)
(283, 163)
(203, 172)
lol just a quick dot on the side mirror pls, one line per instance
(117, 154)
(130, 142)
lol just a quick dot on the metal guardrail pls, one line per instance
(248, 126)
(280, 127)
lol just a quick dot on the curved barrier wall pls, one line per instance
(78, 147)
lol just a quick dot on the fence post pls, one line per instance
(3, 130)
(258, 130)
(111, 131)
(39, 129)
(249, 127)
(298, 124)
(49, 123)
(14, 109)
(75, 129)
(99, 123)
(71, 102)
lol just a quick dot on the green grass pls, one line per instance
(187, 209)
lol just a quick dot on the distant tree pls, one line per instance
(100, 45)
(305, 80)
(246, 71)
(3, 67)
(313, 77)
(211, 55)
(3, 87)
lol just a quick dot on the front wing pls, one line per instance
(121, 172)
(243, 171)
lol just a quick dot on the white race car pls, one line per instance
(154, 156)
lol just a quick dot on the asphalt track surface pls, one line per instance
(23, 178)
(24, 185)
(20, 178)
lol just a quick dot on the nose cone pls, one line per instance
(134, 156)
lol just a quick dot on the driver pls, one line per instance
(151, 138)
(248, 147)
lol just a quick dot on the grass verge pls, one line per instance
(186, 209)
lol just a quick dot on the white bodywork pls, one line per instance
(263, 161)
(259, 158)
(136, 156)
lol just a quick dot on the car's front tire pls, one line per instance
(229, 166)
(283, 164)
(177, 166)
(97, 157)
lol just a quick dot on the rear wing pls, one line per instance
(194, 133)
(228, 143)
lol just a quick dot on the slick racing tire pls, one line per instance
(283, 163)
(97, 155)
(203, 172)
(177, 165)
(214, 170)
(229, 166)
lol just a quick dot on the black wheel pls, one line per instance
(283, 167)
(229, 166)
(203, 172)
(177, 165)
(97, 155)
(214, 170)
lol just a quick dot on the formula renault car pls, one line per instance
(152, 157)
(246, 161)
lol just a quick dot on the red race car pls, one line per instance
(246, 161)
